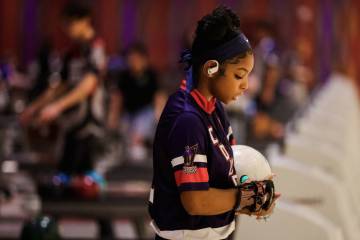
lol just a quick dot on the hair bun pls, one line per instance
(215, 28)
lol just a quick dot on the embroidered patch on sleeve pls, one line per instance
(189, 156)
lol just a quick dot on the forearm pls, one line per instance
(79, 93)
(210, 202)
(49, 95)
(114, 109)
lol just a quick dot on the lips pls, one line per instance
(236, 97)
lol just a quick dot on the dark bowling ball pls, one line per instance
(40, 228)
(85, 187)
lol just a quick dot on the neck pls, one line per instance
(203, 88)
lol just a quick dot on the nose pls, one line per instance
(244, 85)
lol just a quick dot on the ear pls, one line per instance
(211, 67)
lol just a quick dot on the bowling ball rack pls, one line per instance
(125, 197)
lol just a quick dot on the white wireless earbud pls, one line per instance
(211, 71)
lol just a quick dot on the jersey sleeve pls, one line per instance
(95, 58)
(187, 152)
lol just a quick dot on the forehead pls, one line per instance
(75, 21)
(135, 54)
(246, 62)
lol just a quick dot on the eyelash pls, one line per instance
(238, 77)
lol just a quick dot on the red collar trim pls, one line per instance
(207, 106)
(183, 85)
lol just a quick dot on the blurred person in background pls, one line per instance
(264, 126)
(73, 100)
(296, 81)
(4, 89)
(14, 84)
(136, 102)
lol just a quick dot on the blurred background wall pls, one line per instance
(314, 116)
(330, 27)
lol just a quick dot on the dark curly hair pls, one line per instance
(75, 10)
(214, 30)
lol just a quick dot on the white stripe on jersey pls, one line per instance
(180, 160)
(199, 234)
(230, 131)
(151, 196)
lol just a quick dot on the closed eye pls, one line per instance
(238, 77)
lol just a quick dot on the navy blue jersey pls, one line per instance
(192, 151)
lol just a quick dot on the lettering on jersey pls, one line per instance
(214, 140)
(189, 155)
(225, 153)
(234, 178)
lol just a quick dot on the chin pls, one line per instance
(227, 101)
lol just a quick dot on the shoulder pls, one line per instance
(180, 110)
(189, 123)
(181, 103)
(186, 128)
(189, 118)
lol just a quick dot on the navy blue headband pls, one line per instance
(238, 45)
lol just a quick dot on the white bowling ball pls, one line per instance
(248, 161)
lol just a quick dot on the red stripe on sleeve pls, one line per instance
(201, 175)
